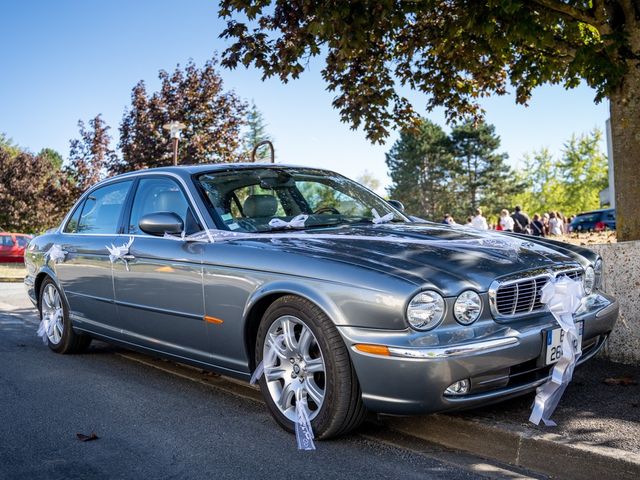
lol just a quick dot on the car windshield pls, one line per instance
(247, 200)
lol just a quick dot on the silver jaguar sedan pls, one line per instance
(333, 293)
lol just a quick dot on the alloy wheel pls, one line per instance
(52, 312)
(294, 366)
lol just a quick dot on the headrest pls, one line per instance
(170, 201)
(260, 206)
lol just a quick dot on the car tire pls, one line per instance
(67, 341)
(341, 409)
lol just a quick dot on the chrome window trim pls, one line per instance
(549, 273)
(124, 177)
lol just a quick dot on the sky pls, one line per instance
(68, 60)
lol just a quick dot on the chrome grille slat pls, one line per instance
(521, 296)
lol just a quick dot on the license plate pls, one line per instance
(554, 343)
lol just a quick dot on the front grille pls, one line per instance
(522, 296)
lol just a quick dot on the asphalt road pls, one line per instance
(152, 424)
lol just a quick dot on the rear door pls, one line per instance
(159, 292)
(85, 275)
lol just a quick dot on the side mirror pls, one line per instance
(160, 223)
(397, 204)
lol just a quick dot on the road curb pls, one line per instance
(546, 453)
(541, 452)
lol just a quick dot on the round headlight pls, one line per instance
(589, 280)
(598, 271)
(426, 310)
(467, 307)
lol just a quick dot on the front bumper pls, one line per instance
(502, 360)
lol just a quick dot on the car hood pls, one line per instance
(449, 258)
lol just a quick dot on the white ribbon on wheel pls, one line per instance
(120, 252)
(56, 254)
(304, 432)
(378, 219)
(563, 297)
(270, 357)
(295, 222)
(45, 329)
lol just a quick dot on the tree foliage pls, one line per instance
(34, 194)
(422, 169)
(193, 96)
(256, 132)
(456, 52)
(434, 173)
(570, 184)
(90, 154)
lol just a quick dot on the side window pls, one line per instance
(6, 241)
(161, 195)
(72, 224)
(102, 209)
(22, 241)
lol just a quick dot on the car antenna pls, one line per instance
(271, 149)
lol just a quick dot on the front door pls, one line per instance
(158, 289)
(85, 274)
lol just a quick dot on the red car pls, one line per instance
(12, 246)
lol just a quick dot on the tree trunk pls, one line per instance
(625, 132)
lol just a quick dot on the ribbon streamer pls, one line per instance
(47, 323)
(56, 254)
(378, 219)
(295, 222)
(304, 432)
(120, 252)
(270, 357)
(563, 297)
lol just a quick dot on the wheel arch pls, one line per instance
(40, 277)
(266, 295)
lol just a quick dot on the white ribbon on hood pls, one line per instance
(378, 219)
(56, 254)
(563, 297)
(295, 222)
(120, 252)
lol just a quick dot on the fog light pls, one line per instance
(459, 388)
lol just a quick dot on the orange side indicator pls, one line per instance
(373, 349)
(214, 320)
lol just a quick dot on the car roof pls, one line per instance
(595, 211)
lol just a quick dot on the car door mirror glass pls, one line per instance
(160, 223)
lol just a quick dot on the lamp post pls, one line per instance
(174, 133)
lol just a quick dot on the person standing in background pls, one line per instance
(520, 221)
(506, 222)
(479, 221)
(537, 228)
(555, 225)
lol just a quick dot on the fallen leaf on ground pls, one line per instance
(620, 381)
(87, 438)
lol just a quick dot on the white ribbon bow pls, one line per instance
(116, 253)
(378, 219)
(56, 254)
(563, 297)
(296, 222)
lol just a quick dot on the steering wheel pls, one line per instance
(326, 209)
